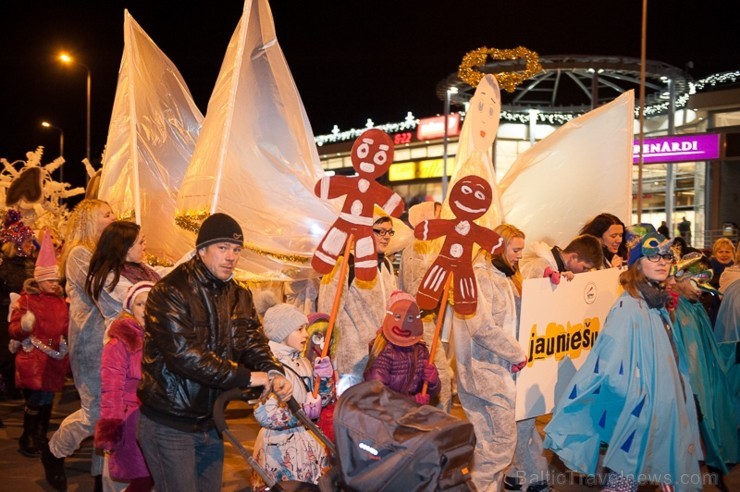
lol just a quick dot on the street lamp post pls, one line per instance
(46, 124)
(67, 59)
(448, 93)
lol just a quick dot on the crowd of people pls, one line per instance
(150, 350)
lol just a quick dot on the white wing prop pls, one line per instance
(151, 138)
(582, 169)
(256, 159)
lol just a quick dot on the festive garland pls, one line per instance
(192, 219)
(469, 73)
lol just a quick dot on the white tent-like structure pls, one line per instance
(582, 169)
(256, 159)
(554, 188)
(153, 130)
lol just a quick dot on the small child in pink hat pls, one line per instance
(38, 330)
(399, 358)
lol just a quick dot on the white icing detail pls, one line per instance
(363, 185)
(367, 167)
(438, 279)
(367, 264)
(456, 250)
(356, 219)
(392, 203)
(334, 242)
(461, 289)
(471, 287)
(468, 209)
(324, 189)
(462, 227)
(356, 208)
(325, 258)
(365, 247)
(431, 276)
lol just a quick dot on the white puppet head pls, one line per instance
(484, 113)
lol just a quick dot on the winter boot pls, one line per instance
(43, 428)
(53, 469)
(28, 444)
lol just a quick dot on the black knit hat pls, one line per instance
(219, 228)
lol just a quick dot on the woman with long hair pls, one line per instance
(488, 354)
(86, 326)
(610, 231)
(116, 264)
(633, 391)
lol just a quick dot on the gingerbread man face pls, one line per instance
(372, 153)
(470, 197)
(485, 111)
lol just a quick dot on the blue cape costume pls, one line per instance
(632, 395)
(709, 382)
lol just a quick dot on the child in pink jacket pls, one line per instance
(120, 371)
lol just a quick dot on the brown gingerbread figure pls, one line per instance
(470, 198)
(372, 155)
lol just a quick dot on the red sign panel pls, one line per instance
(431, 128)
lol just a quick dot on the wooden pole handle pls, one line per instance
(335, 305)
(438, 327)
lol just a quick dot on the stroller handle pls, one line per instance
(219, 406)
(224, 398)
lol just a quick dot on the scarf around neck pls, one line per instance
(138, 272)
(500, 264)
(654, 294)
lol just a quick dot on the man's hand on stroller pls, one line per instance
(274, 382)
(281, 387)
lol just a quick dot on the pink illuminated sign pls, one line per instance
(430, 128)
(677, 148)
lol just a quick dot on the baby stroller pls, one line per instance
(388, 443)
(384, 443)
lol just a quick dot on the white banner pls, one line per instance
(559, 325)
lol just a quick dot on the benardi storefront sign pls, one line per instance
(677, 148)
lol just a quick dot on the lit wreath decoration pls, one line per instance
(469, 73)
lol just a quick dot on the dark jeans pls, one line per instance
(37, 398)
(181, 461)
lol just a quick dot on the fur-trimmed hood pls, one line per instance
(128, 331)
(31, 287)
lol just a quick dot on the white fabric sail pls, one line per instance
(256, 159)
(582, 169)
(153, 130)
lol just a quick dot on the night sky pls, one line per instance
(351, 60)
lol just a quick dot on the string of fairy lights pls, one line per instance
(545, 117)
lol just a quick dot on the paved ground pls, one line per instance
(18, 473)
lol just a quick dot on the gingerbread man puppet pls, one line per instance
(470, 198)
(372, 155)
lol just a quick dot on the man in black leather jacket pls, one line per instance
(202, 337)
